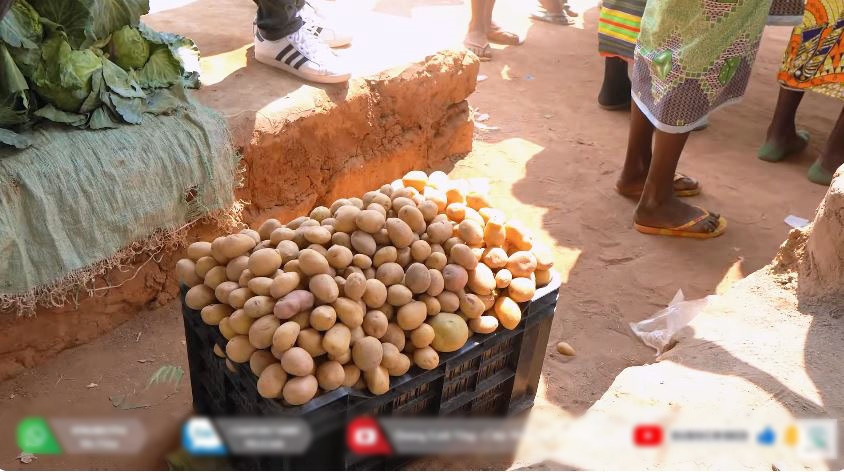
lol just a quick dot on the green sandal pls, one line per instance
(819, 175)
(770, 153)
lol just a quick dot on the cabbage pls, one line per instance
(63, 78)
(129, 49)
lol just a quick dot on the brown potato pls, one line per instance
(426, 358)
(471, 306)
(384, 255)
(495, 258)
(439, 232)
(262, 331)
(411, 315)
(349, 312)
(362, 261)
(271, 381)
(320, 213)
(215, 276)
(323, 317)
(303, 319)
(403, 257)
(437, 284)
(401, 199)
(382, 238)
(377, 380)
(236, 245)
(330, 375)
(413, 218)
(284, 283)
(390, 358)
(508, 312)
(238, 349)
(346, 217)
(258, 306)
(296, 361)
(471, 232)
(521, 289)
(198, 250)
(267, 227)
(186, 272)
(317, 234)
(260, 285)
(394, 336)
(355, 286)
(455, 277)
(367, 353)
(199, 296)
(236, 267)
(370, 221)
(324, 288)
(238, 297)
(239, 322)
(401, 367)
(213, 314)
(481, 280)
(432, 305)
(260, 360)
(462, 255)
(543, 277)
(390, 273)
(285, 336)
(400, 233)
(344, 358)
(226, 329)
(357, 334)
(311, 341)
(422, 336)
(417, 278)
(264, 262)
(398, 295)
(204, 264)
(300, 390)
(281, 234)
(449, 301)
(312, 263)
(337, 340)
(218, 351)
(375, 324)
(436, 261)
(364, 243)
(484, 324)
(420, 251)
(352, 375)
(375, 294)
(521, 264)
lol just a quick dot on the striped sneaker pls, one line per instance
(303, 55)
(324, 26)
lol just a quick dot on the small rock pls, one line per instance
(26, 457)
(92, 385)
(565, 349)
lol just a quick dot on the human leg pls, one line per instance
(615, 90)
(278, 18)
(832, 158)
(476, 40)
(783, 138)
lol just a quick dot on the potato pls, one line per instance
(426, 358)
(281, 234)
(297, 222)
(518, 235)
(204, 264)
(417, 278)
(320, 213)
(300, 390)
(271, 380)
(436, 261)
(503, 278)
(420, 250)
(401, 366)
(437, 197)
(471, 306)
(296, 361)
(330, 375)
(494, 234)
(394, 336)
(403, 257)
(390, 357)
(422, 336)
(432, 305)
(521, 264)
(375, 323)
(267, 228)
(362, 261)
(429, 210)
(218, 351)
(462, 255)
(355, 286)
(364, 243)
(258, 306)
(239, 322)
(508, 312)
(316, 234)
(370, 221)
(402, 200)
(413, 218)
(349, 312)
(293, 303)
(456, 212)
(312, 263)
(346, 219)
(215, 276)
(481, 280)
(543, 277)
(238, 349)
(377, 380)
(323, 317)
(398, 295)
(471, 232)
(264, 262)
(390, 273)
(340, 202)
(199, 296)
(411, 315)
(186, 272)
(437, 284)
(213, 314)
(485, 324)
(416, 179)
(544, 256)
(239, 296)
(260, 285)
(352, 375)
(455, 277)
(198, 250)
(367, 353)
(521, 289)
(450, 332)
(262, 331)
(449, 301)
(226, 329)
(230, 366)
(311, 340)
(495, 257)
(324, 288)
(217, 250)
(400, 233)
(284, 283)
(375, 294)
(476, 200)
(344, 358)
(236, 245)
(260, 360)
(451, 242)
(384, 255)
(472, 215)
(357, 334)
(337, 339)
(439, 231)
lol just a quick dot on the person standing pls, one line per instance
(294, 36)
(814, 60)
(618, 29)
(482, 31)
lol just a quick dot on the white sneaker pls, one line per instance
(323, 27)
(303, 55)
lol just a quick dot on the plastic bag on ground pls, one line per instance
(659, 330)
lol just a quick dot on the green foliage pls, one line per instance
(128, 48)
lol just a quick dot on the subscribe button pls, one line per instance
(246, 436)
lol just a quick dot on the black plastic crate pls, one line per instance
(493, 375)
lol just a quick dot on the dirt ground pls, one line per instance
(552, 158)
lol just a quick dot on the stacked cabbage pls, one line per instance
(89, 64)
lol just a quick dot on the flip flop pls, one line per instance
(678, 176)
(770, 153)
(615, 106)
(817, 174)
(682, 230)
(557, 18)
(484, 53)
(504, 37)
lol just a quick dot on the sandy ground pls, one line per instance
(552, 160)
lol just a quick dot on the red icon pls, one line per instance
(647, 435)
(364, 438)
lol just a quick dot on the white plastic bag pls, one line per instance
(659, 330)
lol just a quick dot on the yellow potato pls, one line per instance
(481, 280)
(394, 336)
(476, 201)
(355, 286)
(416, 179)
(471, 306)
(370, 221)
(312, 263)
(267, 227)
(215, 276)
(284, 283)
(288, 250)
(285, 336)
(471, 232)
(399, 232)
(449, 301)
(300, 390)
(544, 257)
(363, 243)
(204, 264)
(352, 375)
(349, 312)
(346, 216)
(429, 210)
(323, 317)
(258, 306)
(239, 322)
(262, 330)
(271, 381)
(432, 305)
(239, 350)
(296, 361)
(462, 255)
(362, 261)
(508, 312)
(495, 258)
(411, 315)
(217, 250)
(236, 267)
(281, 234)
(456, 212)
(398, 295)
(324, 288)
(426, 358)
(199, 296)
(213, 314)
(401, 366)
(543, 277)
(199, 250)
(521, 264)
(485, 324)
(390, 357)
(311, 341)
(367, 353)
(218, 351)
(344, 358)
(377, 380)
(521, 289)
(330, 375)
(186, 272)
(236, 245)
(375, 293)
(503, 278)
(450, 332)
(225, 328)
(260, 360)
(422, 336)
(413, 217)
(375, 324)
(337, 339)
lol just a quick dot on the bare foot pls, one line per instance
(498, 35)
(781, 144)
(476, 42)
(632, 185)
(674, 213)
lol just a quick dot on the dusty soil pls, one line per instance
(552, 161)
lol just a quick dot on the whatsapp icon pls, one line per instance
(34, 436)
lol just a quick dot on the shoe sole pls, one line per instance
(321, 79)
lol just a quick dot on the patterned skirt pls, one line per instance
(694, 56)
(814, 57)
(618, 27)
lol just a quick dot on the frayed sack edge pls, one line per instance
(93, 280)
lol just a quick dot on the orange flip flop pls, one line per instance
(691, 192)
(682, 230)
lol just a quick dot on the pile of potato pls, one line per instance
(355, 293)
